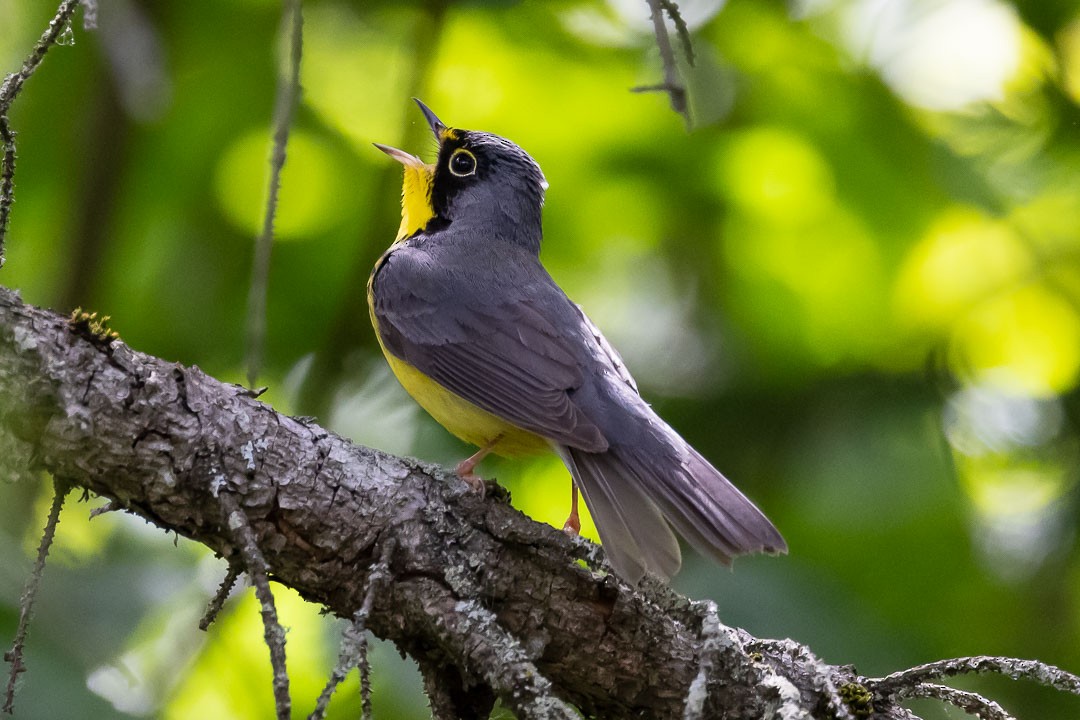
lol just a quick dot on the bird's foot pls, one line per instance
(465, 468)
(475, 482)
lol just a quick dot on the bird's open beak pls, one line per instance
(438, 128)
(401, 156)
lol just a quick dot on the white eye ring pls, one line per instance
(462, 163)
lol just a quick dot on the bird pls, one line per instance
(481, 336)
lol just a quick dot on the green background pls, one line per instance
(854, 285)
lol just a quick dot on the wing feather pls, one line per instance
(501, 350)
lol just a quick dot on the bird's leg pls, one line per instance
(465, 467)
(572, 526)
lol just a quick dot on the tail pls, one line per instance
(638, 491)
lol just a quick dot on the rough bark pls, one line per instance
(489, 603)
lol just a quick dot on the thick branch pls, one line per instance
(475, 592)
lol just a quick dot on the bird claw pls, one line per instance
(475, 483)
(465, 469)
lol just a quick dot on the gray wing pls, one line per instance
(508, 349)
(610, 353)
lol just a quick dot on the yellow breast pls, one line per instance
(465, 420)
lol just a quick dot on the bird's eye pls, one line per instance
(462, 163)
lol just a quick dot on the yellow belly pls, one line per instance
(467, 421)
(472, 424)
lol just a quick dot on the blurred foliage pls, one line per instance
(854, 286)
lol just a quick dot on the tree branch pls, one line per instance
(489, 603)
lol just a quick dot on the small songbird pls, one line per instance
(480, 335)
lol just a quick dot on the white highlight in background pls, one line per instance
(938, 54)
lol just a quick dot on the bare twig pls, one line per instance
(8, 92)
(13, 83)
(672, 10)
(218, 601)
(354, 643)
(672, 84)
(1034, 670)
(363, 666)
(26, 602)
(274, 634)
(7, 179)
(969, 702)
(284, 110)
(108, 507)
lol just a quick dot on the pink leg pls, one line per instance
(572, 526)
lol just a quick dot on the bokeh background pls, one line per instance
(854, 284)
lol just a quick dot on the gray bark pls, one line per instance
(489, 603)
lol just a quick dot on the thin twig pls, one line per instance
(284, 110)
(7, 180)
(354, 645)
(218, 601)
(257, 569)
(672, 84)
(8, 92)
(26, 602)
(672, 10)
(13, 83)
(363, 667)
(1014, 668)
(108, 507)
(969, 702)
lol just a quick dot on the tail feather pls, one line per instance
(636, 492)
(632, 530)
(713, 514)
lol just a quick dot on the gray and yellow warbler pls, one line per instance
(480, 335)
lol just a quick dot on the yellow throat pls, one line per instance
(416, 207)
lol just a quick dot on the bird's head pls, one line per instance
(480, 182)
